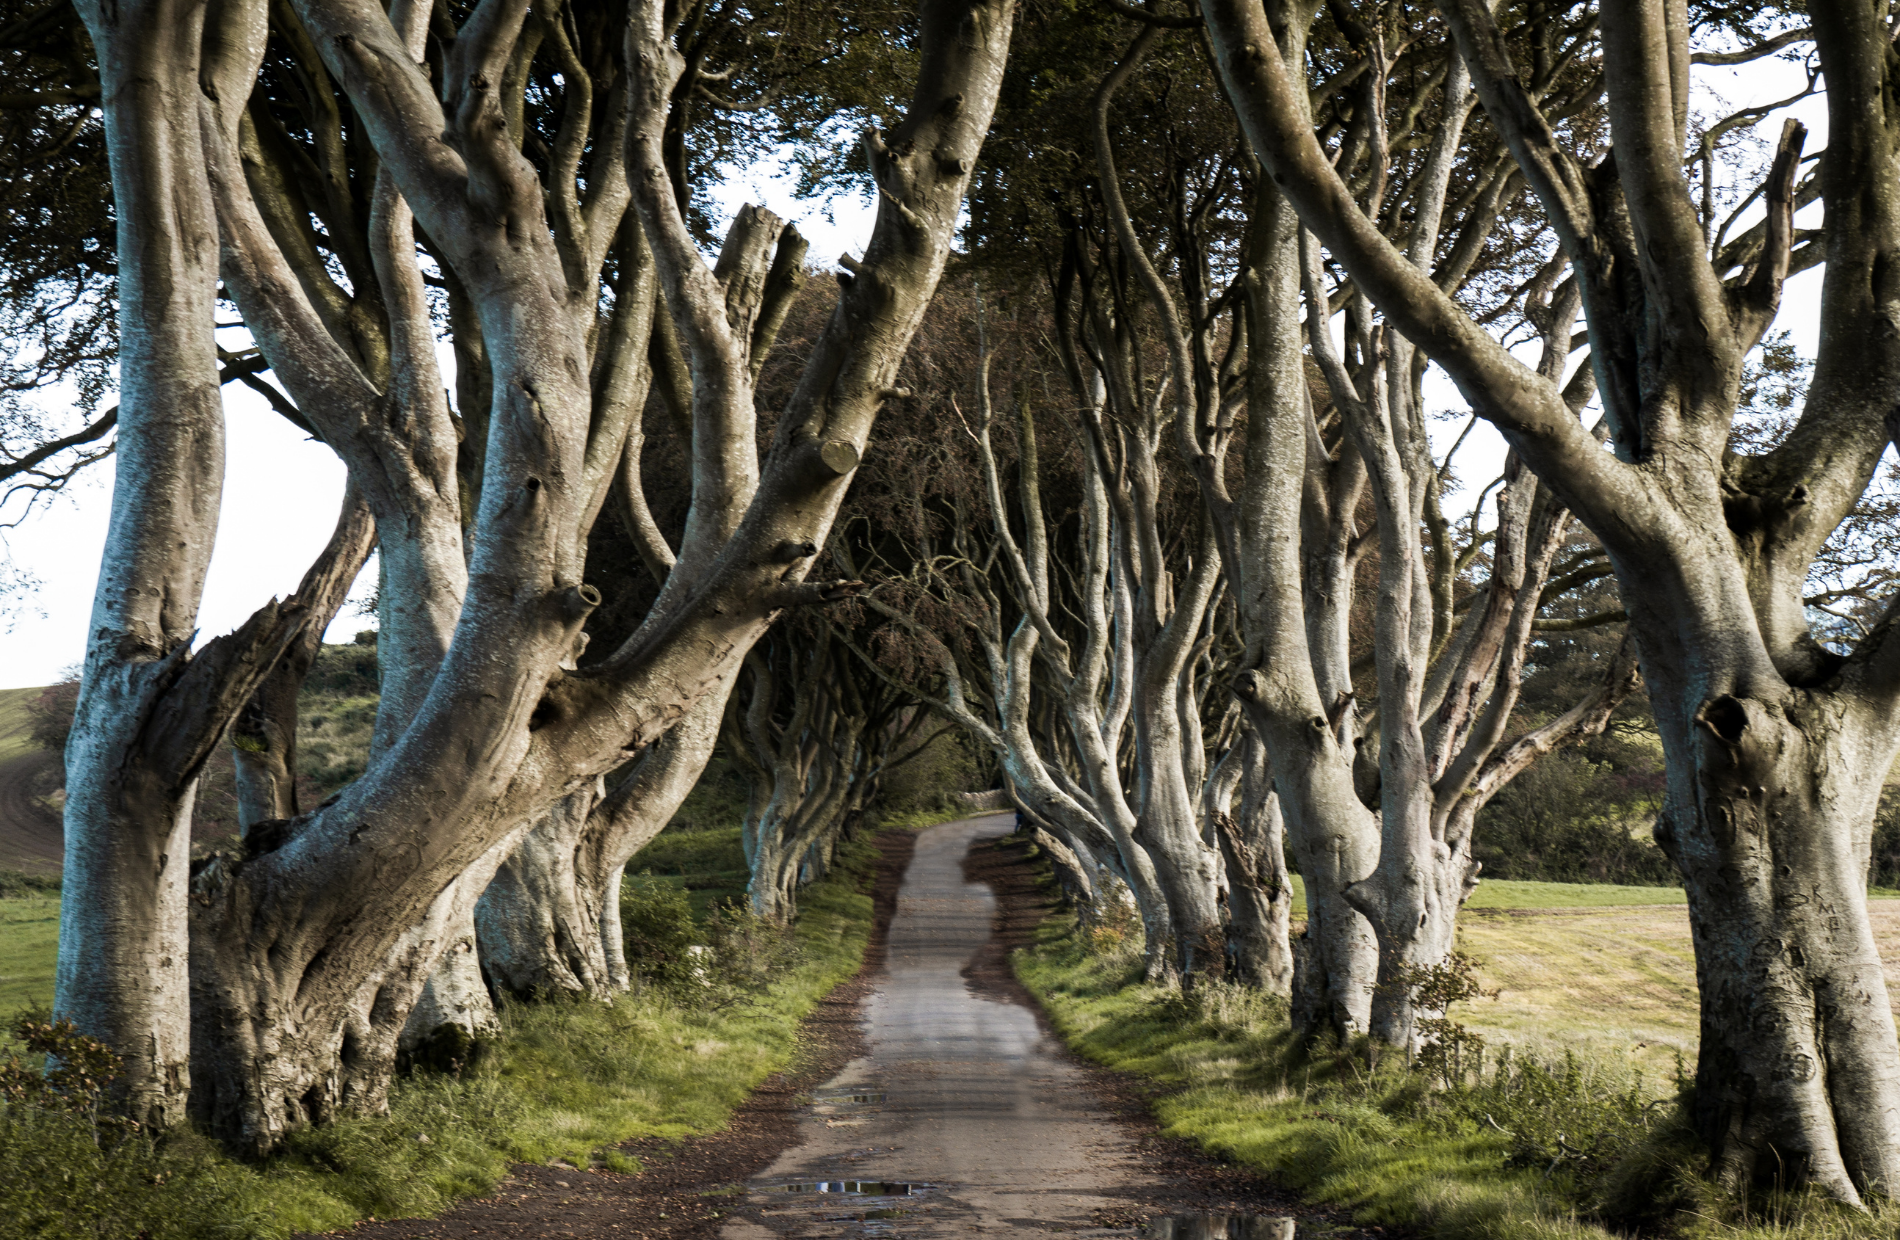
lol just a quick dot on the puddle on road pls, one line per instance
(866, 1208)
(849, 1097)
(856, 1188)
(1221, 1227)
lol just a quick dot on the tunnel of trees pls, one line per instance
(1118, 459)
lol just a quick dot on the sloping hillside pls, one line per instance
(29, 829)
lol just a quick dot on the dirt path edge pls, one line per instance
(666, 1199)
(1200, 1181)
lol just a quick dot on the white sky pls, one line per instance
(282, 490)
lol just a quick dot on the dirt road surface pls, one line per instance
(979, 1114)
(966, 1116)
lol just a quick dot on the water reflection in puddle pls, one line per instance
(1220, 1227)
(861, 1188)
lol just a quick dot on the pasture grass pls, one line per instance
(564, 1082)
(29, 945)
(1588, 1013)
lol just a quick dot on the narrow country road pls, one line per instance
(964, 1116)
(956, 1117)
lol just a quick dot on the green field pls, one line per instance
(29, 940)
(1503, 893)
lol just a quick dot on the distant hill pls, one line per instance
(29, 828)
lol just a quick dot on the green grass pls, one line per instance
(566, 1081)
(1510, 893)
(15, 722)
(1594, 1003)
(29, 944)
(1517, 893)
(1222, 1058)
(1506, 893)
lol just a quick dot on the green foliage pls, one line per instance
(77, 1070)
(19, 885)
(1885, 868)
(1449, 1052)
(744, 953)
(1570, 1119)
(1579, 816)
(74, 1168)
(923, 785)
(61, 1182)
(660, 929)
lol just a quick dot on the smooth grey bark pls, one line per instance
(549, 921)
(538, 932)
(1165, 626)
(122, 955)
(1773, 744)
(150, 711)
(541, 922)
(501, 733)
(1259, 888)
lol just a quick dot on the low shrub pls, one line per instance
(19, 885)
(76, 1168)
(657, 923)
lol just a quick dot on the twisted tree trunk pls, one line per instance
(1259, 889)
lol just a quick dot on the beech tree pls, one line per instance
(814, 730)
(1176, 319)
(1776, 745)
(308, 950)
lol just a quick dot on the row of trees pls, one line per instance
(1155, 518)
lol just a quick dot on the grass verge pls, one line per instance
(1509, 1146)
(29, 946)
(565, 1081)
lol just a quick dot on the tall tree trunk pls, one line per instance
(1768, 816)
(122, 960)
(550, 920)
(1775, 748)
(1259, 889)
(537, 927)
(1170, 828)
